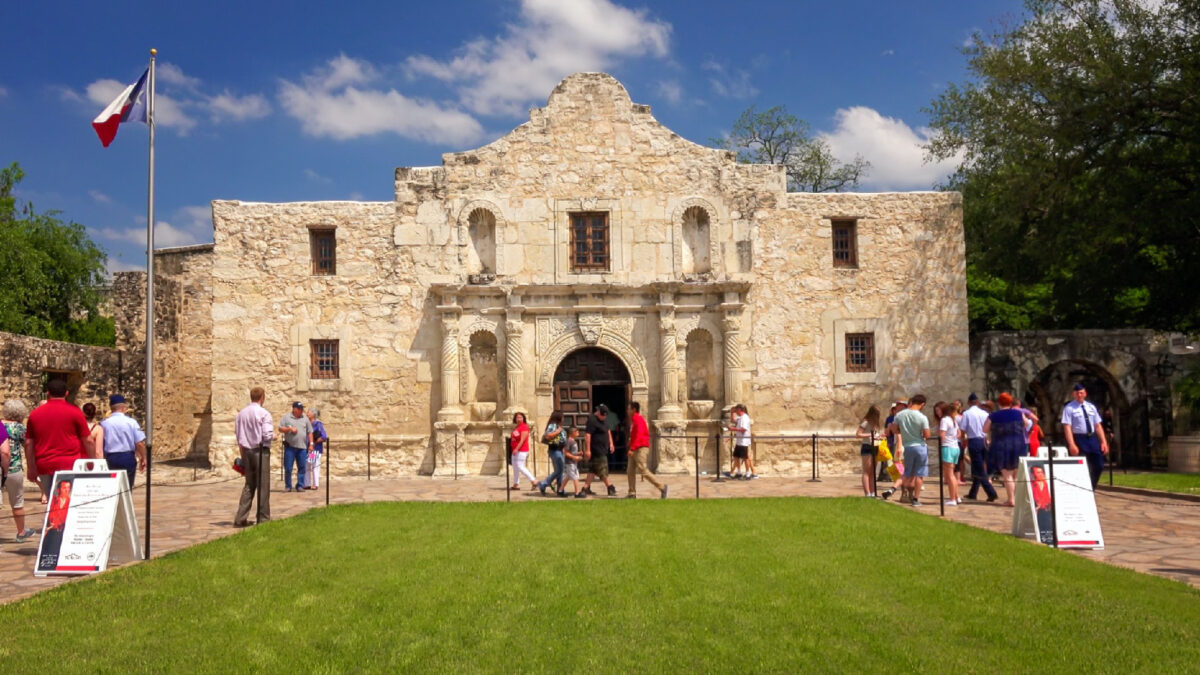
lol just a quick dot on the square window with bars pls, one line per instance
(845, 243)
(589, 242)
(324, 251)
(324, 359)
(860, 352)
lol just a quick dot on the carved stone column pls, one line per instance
(450, 410)
(514, 360)
(731, 328)
(669, 357)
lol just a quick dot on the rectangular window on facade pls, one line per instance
(324, 359)
(589, 242)
(860, 352)
(324, 251)
(845, 243)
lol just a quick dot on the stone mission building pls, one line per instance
(589, 256)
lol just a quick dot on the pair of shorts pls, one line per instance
(866, 449)
(916, 461)
(570, 471)
(741, 452)
(14, 487)
(599, 465)
(951, 454)
(1005, 458)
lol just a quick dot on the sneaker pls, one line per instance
(663, 493)
(887, 494)
(916, 503)
(737, 476)
(727, 474)
(612, 491)
(992, 499)
(581, 495)
(951, 502)
(561, 493)
(26, 535)
(752, 476)
(588, 491)
(630, 496)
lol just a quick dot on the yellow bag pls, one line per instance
(895, 471)
(883, 454)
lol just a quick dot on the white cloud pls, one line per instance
(888, 52)
(225, 106)
(168, 112)
(728, 83)
(333, 102)
(316, 177)
(195, 227)
(356, 196)
(552, 39)
(169, 73)
(3, 92)
(670, 90)
(99, 197)
(893, 148)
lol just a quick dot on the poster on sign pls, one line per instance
(89, 521)
(1071, 504)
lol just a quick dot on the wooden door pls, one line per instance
(574, 401)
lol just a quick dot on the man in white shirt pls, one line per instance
(1082, 426)
(254, 430)
(971, 423)
(741, 443)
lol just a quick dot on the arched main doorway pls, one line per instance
(586, 378)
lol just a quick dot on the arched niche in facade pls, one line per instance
(485, 373)
(697, 241)
(481, 232)
(701, 374)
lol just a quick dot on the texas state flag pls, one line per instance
(130, 106)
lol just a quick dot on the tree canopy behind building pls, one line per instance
(1080, 137)
(50, 273)
(774, 136)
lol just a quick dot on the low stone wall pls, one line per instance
(92, 373)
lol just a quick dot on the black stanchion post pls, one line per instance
(874, 475)
(328, 450)
(718, 439)
(1053, 502)
(264, 470)
(941, 480)
(507, 482)
(368, 456)
(814, 478)
(149, 464)
(696, 452)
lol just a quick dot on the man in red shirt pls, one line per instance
(57, 432)
(639, 447)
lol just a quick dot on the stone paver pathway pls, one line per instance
(1156, 535)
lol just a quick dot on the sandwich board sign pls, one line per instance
(1072, 501)
(89, 521)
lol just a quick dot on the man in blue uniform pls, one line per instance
(1081, 424)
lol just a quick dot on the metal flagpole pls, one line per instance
(150, 302)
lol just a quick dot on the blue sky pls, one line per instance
(289, 101)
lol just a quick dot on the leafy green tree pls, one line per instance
(775, 136)
(52, 273)
(1079, 134)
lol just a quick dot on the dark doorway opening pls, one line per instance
(585, 379)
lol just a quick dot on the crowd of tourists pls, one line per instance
(994, 434)
(36, 444)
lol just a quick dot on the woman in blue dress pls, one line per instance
(1006, 437)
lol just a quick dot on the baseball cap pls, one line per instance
(602, 408)
(1078, 387)
(972, 397)
(298, 404)
(116, 399)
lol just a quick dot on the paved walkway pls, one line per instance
(1156, 535)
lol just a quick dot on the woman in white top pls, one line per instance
(948, 433)
(868, 430)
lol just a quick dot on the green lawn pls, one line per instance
(1187, 483)
(781, 585)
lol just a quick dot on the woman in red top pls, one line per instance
(518, 445)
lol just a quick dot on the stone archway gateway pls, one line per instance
(584, 379)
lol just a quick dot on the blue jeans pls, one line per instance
(977, 447)
(297, 456)
(556, 460)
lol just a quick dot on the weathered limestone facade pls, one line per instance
(92, 373)
(457, 303)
